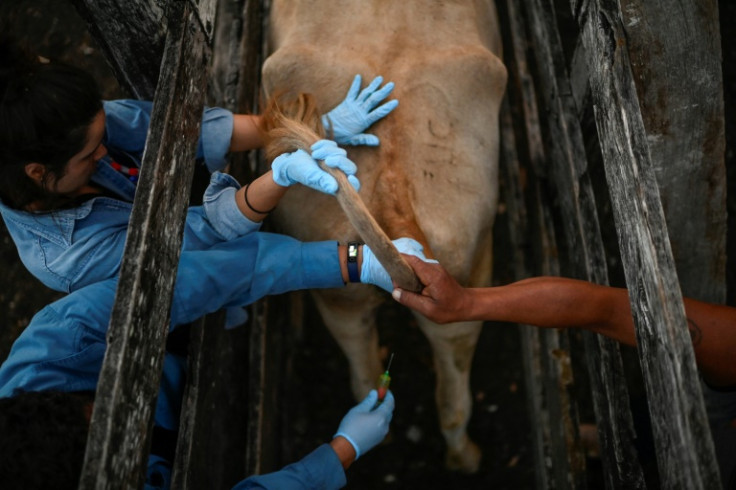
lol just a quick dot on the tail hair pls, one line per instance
(290, 124)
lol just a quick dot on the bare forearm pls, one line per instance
(562, 303)
(258, 198)
(555, 302)
(344, 450)
(246, 132)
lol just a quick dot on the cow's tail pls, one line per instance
(294, 124)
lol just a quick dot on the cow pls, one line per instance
(434, 176)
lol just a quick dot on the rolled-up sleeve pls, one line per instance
(221, 209)
(127, 123)
(215, 135)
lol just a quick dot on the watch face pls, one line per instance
(352, 251)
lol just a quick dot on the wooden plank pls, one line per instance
(683, 114)
(585, 255)
(684, 448)
(548, 376)
(675, 54)
(513, 196)
(122, 420)
(206, 12)
(221, 411)
(221, 435)
(131, 33)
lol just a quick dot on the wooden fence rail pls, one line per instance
(122, 421)
(684, 447)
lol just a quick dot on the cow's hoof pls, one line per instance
(465, 460)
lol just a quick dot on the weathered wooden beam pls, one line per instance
(221, 432)
(685, 451)
(680, 89)
(558, 456)
(122, 420)
(585, 254)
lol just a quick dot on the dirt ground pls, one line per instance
(412, 457)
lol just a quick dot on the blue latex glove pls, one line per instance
(363, 427)
(300, 167)
(336, 157)
(358, 112)
(372, 272)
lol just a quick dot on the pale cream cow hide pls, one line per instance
(434, 176)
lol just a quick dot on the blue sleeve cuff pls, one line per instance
(215, 135)
(321, 265)
(319, 469)
(221, 209)
(126, 124)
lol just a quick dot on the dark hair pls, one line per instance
(46, 109)
(42, 440)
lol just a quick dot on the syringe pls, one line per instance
(384, 381)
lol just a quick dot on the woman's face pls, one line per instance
(80, 167)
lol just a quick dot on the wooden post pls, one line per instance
(684, 448)
(119, 437)
(221, 431)
(680, 89)
(573, 194)
(547, 372)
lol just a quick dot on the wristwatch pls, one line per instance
(353, 274)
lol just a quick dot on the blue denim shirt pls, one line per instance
(63, 347)
(70, 248)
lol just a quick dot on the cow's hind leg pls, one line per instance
(353, 325)
(453, 346)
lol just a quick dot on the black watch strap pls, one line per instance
(353, 274)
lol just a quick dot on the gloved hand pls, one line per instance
(300, 167)
(336, 157)
(372, 272)
(363, 427)
(358, 112)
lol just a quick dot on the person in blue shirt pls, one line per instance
(45, 436)
(63, 347)
(69, 163)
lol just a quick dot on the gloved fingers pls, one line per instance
(335, 157)
(363, 139)
(341, 162)
(387, 406)
(354, 88)
(322, 148)
(368, 91)
(280, 159)
(381, 111)
(321, 181)
(367, 403)
(279, 166)
(354, 182)
(409, 246)
(376, 97)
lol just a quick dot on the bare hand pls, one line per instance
(442, 300)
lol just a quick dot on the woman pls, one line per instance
(70, 164)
